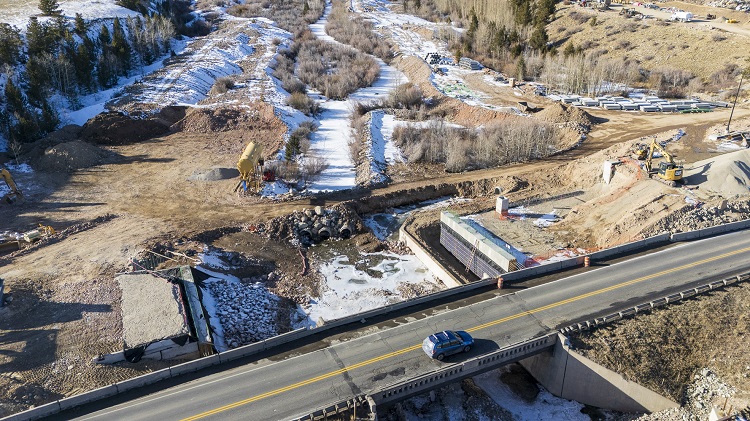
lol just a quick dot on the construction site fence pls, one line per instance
(248, 350)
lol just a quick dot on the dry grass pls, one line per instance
(664, 349)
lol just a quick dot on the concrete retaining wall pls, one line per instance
(483, 246)
(426, 258)
(572, 376)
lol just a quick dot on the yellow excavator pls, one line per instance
(15, 195)
(250, 165)
(668, 171)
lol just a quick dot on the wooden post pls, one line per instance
(586, 261)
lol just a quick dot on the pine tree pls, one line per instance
(84, 66)
(49, 7)
(10, 44)
(120, 46)
(80, 25)
(104, 37)
(538, 40)
(38, 39)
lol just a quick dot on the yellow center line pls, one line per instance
(473, 329)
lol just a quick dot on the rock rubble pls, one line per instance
(247, 312)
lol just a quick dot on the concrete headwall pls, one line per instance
(485, 247)
(570, 375)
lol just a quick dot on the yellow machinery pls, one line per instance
(15, 194)
(250, 165)
(10, 241)
(668, 170)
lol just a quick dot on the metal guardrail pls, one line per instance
(405, 389)
(659, 302)
(102, 393)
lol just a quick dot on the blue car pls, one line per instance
(445, 343)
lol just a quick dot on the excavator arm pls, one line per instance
(668, 171)
(15, 194)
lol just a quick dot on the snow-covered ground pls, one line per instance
(331, 140)
(18, 12)
(347, 290)
(403, 30)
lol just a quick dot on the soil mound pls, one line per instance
(71, 156)
(202, 120)
(65, 134)
(215, 174)
(559, 113)
(114, 128)
(727, 175)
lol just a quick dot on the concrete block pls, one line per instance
(91, 396)
(143, 380)
(35, 413)
(292, 336)
(661, 238)
(193, 366)
(187, 351)
(241, 352)
(685, 236)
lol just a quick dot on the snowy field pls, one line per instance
(331, 140)
(18, 12)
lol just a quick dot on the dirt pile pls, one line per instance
(566, 114)
(725, 175)
(215, 174)
(203, 120)
(115, 128)
(231, 129)
(75, 155)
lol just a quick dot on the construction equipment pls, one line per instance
(250, 166)
(640, 151)
(15, 195)
(11, 241)
(668, 171)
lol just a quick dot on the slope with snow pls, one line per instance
(331, 140)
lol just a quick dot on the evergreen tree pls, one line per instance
(521, 67)
(84, 66)
(120, 47)
(80, 25)
(305, 9)
(104, 37)
(14, 101)
(538, 40)
(38, 80)
(49, 7)
(38, 39)
(10, 44)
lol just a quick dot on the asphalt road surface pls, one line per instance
(272, 389)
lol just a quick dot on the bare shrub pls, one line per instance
(725, 78)
(623, 44)
(334, 70)
(222, 85)
(460, 149)
(579, 17)
(357, 32)
(312, 167)
(407, 95)
(304, 103)
(718, 37)
(286, 13)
